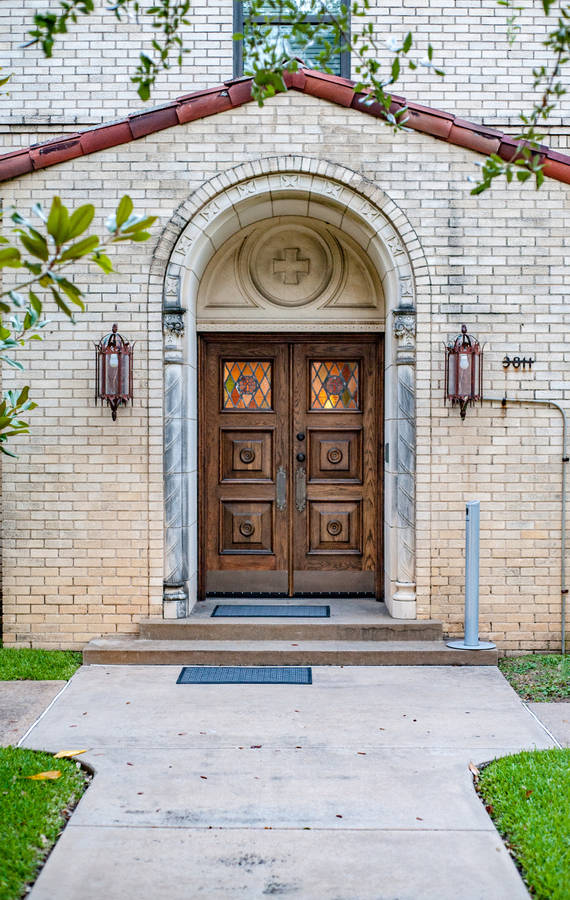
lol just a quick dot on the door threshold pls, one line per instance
(262, 595)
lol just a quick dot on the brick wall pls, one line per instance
(83, 506)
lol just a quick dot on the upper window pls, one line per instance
(281, 32)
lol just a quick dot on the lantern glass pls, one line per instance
(464, 374)
(114, 361)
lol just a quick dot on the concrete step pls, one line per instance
(287, 629)
(124, 650)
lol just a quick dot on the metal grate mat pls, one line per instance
(245, 675)
(250, 610)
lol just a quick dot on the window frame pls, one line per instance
(345, 69)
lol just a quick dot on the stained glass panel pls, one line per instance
(335, 385)
(247, 384)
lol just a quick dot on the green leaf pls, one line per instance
(124, 209)
(37, 246)
(16, 364)
(57, 221)
(81, 248)
(395, 69)
(35, 303)
(80, 221)
(407, 42)
(10, 256)
(23, 396)
(103, 261)
(61, 304)
(138, 224)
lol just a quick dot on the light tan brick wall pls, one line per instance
(87, 79)
(83, 509)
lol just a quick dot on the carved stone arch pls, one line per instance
(271, 188)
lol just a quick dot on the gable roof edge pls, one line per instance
(235, 93)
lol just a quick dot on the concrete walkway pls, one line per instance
(21, 704)
(353, 788)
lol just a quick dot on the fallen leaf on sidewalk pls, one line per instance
(45, 776)
(255, 747)
(67, 754)
(204, 777)
(474, 770)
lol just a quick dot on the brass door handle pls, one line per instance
(281, 489)
(300, 489)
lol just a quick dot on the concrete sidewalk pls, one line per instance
(353, 788)
(21, 704)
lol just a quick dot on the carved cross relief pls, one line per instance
(292, 267)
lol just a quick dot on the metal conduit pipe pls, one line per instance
(563, 589)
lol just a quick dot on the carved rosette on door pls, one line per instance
(289, 438)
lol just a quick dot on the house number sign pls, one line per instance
(516, 362)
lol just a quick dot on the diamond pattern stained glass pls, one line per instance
(247, 384)
(335, 385)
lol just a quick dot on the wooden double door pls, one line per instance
(290, 447)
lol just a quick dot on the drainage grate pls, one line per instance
(250, 610)
(245, 675)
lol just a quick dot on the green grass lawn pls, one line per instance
(528, 797)
(37, 665)
(538, 677)
(32, 813)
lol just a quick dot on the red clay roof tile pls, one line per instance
(105, 136)
(206, 103)
(233, 93)
(56, 151)
(154, 120)
(329, 87)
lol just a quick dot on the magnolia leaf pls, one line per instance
(67, 754)
(10, 256)
(103, 261)
(23, 396)
(45, 776)
(35, 243)
(124, 209)
(16, 364)
(80, 221)
(81, 248)
(57, 221)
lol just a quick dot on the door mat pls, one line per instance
(245, 675)
(250, 610)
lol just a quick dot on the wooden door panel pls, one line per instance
(334, 454)
(247, 455)
(246, 527)
(335, 527)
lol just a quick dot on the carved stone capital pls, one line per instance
(173, 322)
(405, 334)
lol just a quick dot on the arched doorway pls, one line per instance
(332, 207)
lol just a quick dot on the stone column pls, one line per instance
(175, 595)
(404, 599)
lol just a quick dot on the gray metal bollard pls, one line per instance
(471, 640)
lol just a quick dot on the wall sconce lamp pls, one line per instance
(464, 371)
(114, 370)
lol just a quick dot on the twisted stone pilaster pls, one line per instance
(405, 334)
(175, 594)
